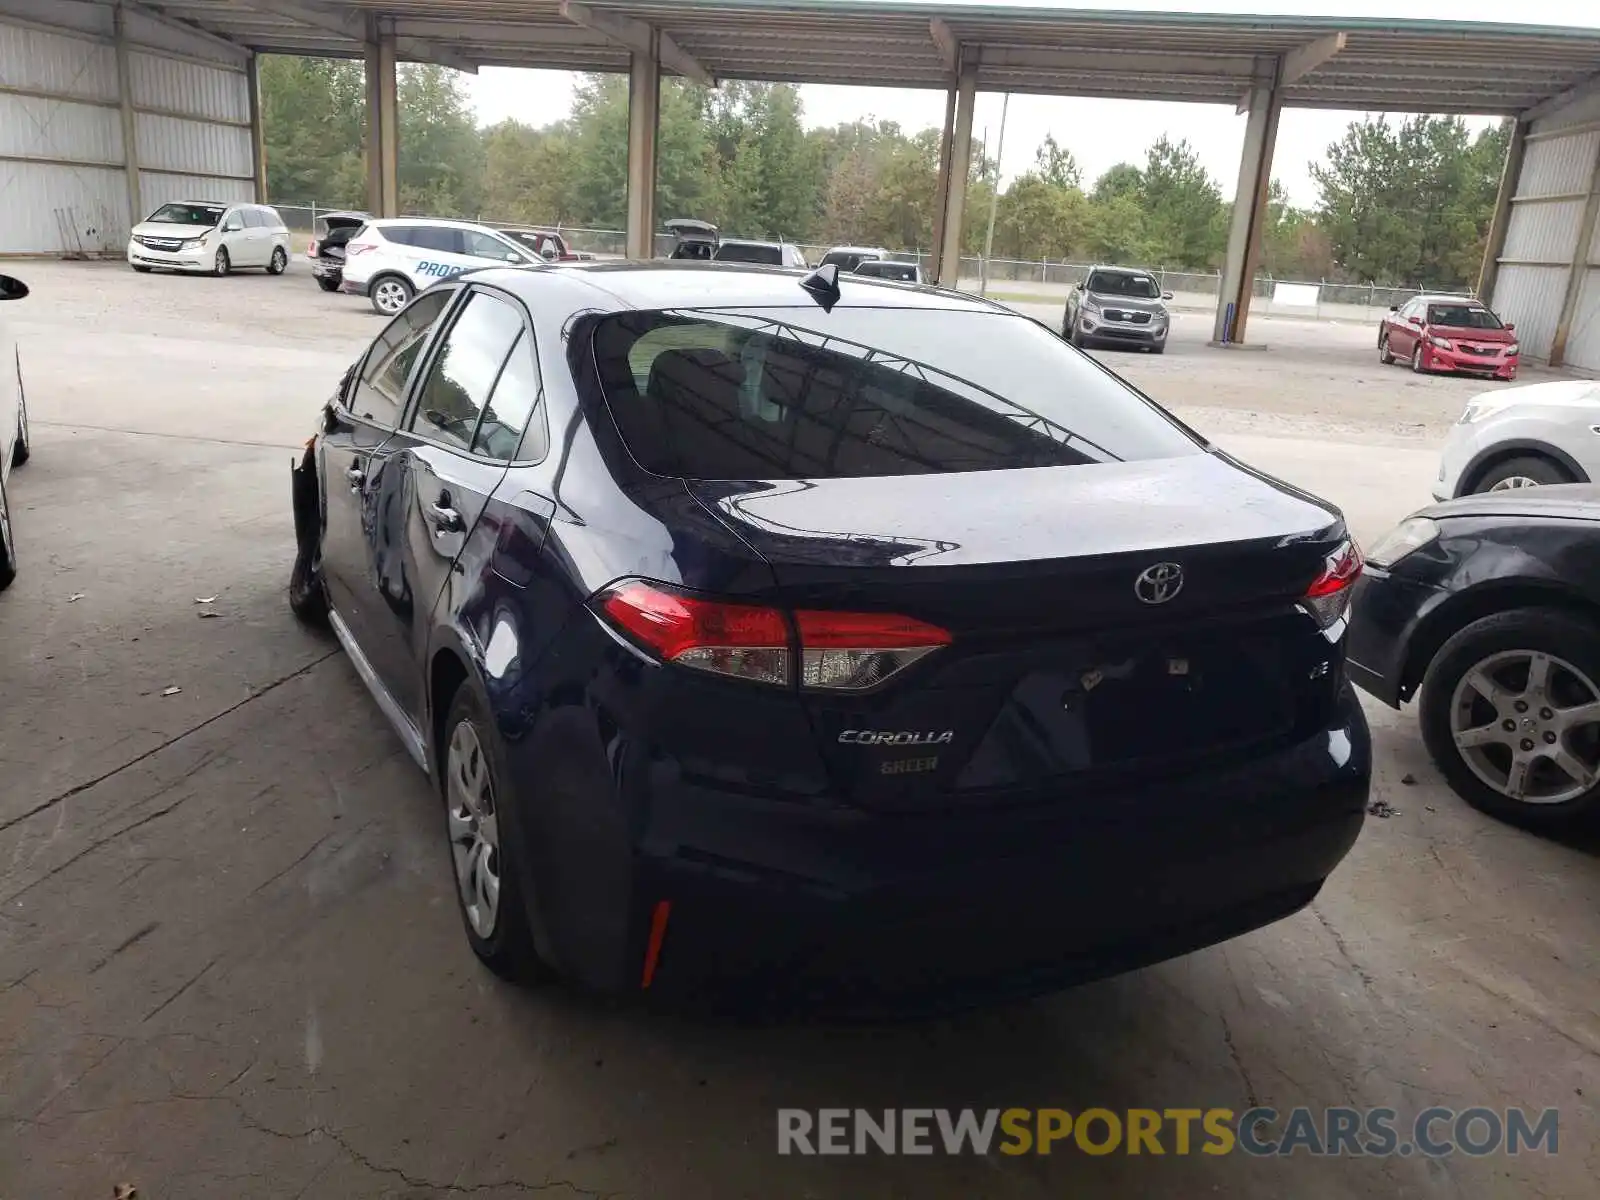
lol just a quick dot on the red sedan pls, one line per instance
(1449, 333)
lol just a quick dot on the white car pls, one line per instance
(1521, 437)
(204, 235)
(391, 260)
(13, 427)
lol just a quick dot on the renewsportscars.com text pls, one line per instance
(1260, 1132)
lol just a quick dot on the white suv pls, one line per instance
(1523, 436)
(391, 260)
(206, 235)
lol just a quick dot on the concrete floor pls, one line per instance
(230, 965)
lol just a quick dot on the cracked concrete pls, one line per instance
(230, 962)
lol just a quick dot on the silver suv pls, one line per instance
(1117, 306)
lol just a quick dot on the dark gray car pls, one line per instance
(1117, 306)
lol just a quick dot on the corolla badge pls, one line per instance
(1159, 583)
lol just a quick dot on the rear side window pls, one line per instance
(463, 373)
(438, 238)
(481, 245)
(381, 388)
(514, 416)
(801, 394)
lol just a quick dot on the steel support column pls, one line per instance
(1580, 268)
(1510, 175)
(955, 180)
(644, 119)
(383, 120)
(130, 120)
(258, 144)
(941, 189)
(1249, 209)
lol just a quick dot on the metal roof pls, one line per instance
(1330, 62)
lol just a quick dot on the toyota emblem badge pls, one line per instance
(1159, 583)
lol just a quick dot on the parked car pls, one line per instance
(548, 244)
(1449, 333)
(389, 261)
(1117, 306)
(1522, 437)
(850, 258)
(761, 636)
(767, 254)
(327, 250)
(1488, 609)
(884, 268)
(14, 447)
(693, 240)
(204, 235)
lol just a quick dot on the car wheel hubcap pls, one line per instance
(391, 297)
(1514, 481)
(277, 260)
(1528, 725)
(474, 829)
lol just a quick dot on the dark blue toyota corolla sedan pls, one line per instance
(826, 637)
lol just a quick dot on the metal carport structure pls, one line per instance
(1261, 64)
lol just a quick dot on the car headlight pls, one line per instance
(1089, 306)
(1512, 349)
(1410, 535)
(1477, 410)
(1442, 343)
(193, 244)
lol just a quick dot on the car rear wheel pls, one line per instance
(279, 262)
(8, 545)
(223, 263)
(1528, 471)
(488, 882)
(1385, 355)
(390, 294)
(1511, 714)
(326, 284)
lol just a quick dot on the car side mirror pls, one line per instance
(1166, 295)
(1417, 321)
(12, 288)
(1394, 308)
(1509, 328)
(232, 225)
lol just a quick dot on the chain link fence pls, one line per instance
(1040, 280)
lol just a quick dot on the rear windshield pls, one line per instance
(1116, 283)
(750, 253)
(888, 270)
(796, 393)
(1462, 316)
(189, 214)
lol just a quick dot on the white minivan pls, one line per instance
(13, 427)
(203, 235)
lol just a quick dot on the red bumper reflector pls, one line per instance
(658, 934)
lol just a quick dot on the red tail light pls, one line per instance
(311, 251)
(837, 650)
(1328, 597)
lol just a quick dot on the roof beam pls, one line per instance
(1119, 62)
(944, 39)
(640, 38)
(352, 26)
(1301, 61)
(1578, 91)
(190, 28)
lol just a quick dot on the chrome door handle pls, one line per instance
(357, 477)
(445, 520)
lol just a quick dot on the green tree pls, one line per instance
(441, 156)
(1056, 164)
(1184, 213)
(311, 114)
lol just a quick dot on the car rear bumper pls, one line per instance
(327, 269)
(793, 903)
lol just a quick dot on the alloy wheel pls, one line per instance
(279, 261)
(390, 295)
(474, 828)
(1513, 481)
(1527, 724)
(222, 265)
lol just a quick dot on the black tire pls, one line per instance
(381, 289)
(308, 595)
(1159, 348)
(326, 284)
(8, 544)
(223, 264)
(507, 948)
(279, 262)
(1385, 355)
(1530, 466)
(141, 270)
(1078, 340)
(1416, 360)
(1547, 631)
(22, 451)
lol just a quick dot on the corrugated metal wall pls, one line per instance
(63, 187)
(1530, 298)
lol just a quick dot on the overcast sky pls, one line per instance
(1101, 133)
